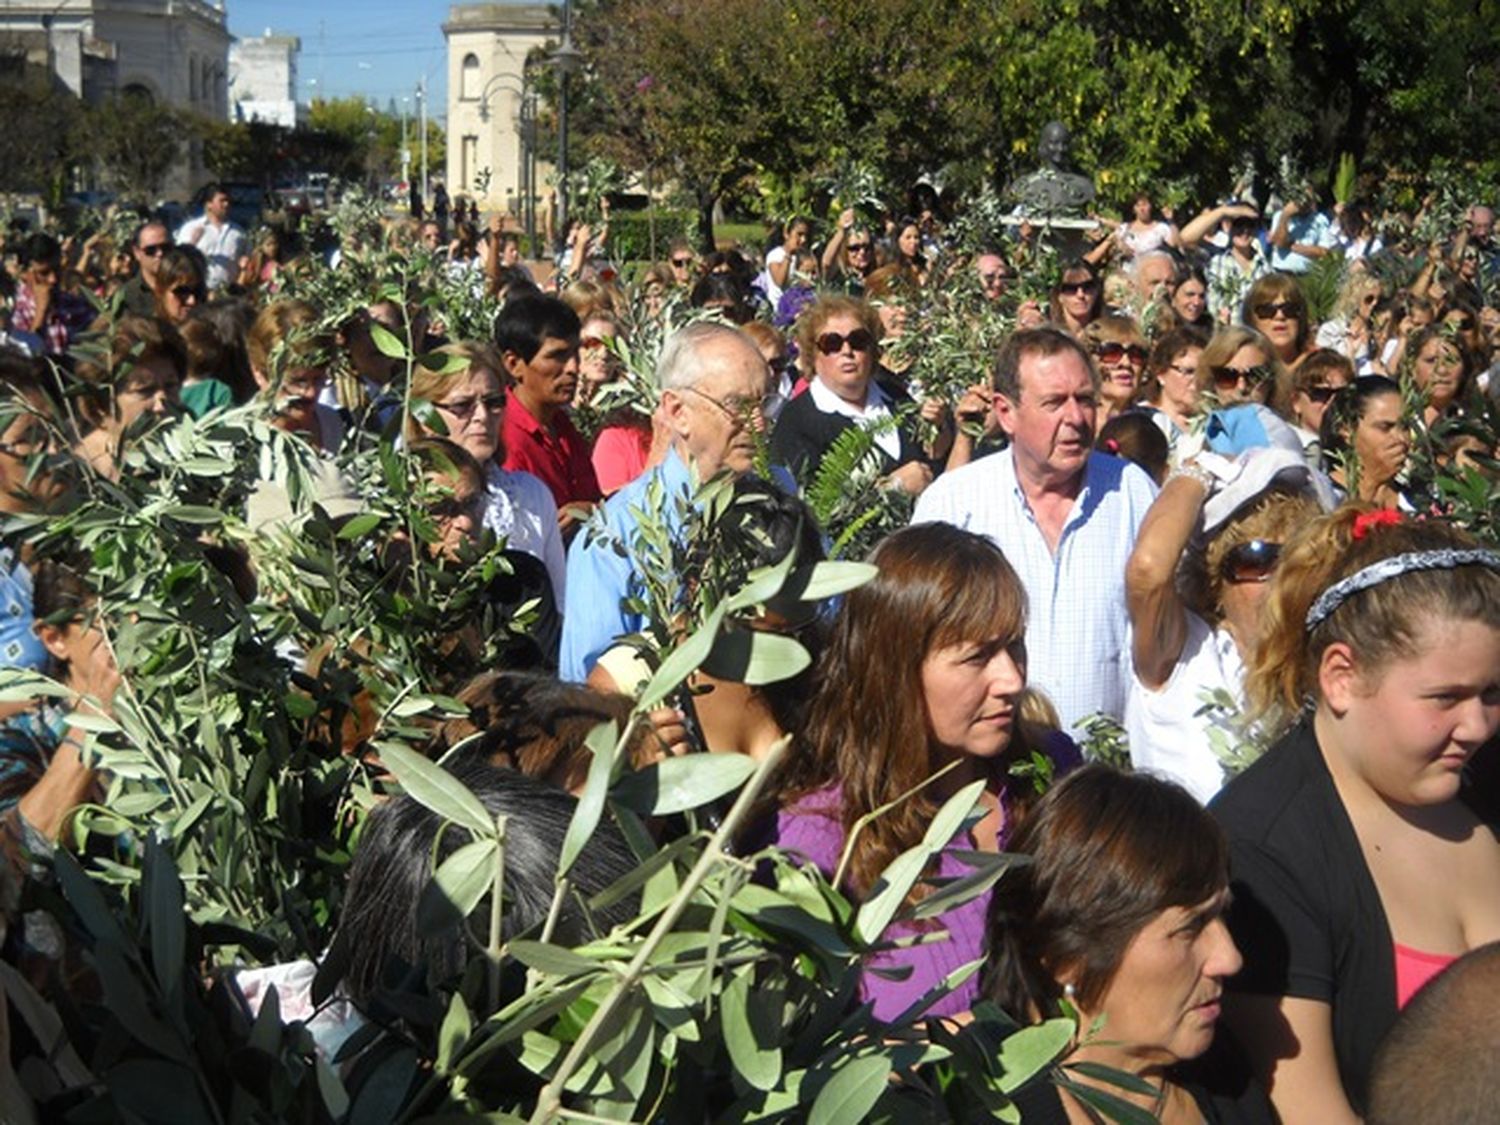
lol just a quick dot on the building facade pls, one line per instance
(492, 106)
(175, 52)
(263, 79)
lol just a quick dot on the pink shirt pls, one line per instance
(620, 455)
(1414, 969)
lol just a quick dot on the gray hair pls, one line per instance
(1149, 256)
(679, 366)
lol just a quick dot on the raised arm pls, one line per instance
(1157, 617)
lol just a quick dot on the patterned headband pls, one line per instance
(1386, 569)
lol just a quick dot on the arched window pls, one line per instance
(468, 87)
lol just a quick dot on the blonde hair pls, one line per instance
(428, 385)
(290, 327)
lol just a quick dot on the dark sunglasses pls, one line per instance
(1321, 395)
(1113, 352)
(1268, 310)
(682, 263)
(452, 507)
(463, 408)
(831, 343)
(1069, 288)
(1462, 323)
(184, 292)
(156, 249)
(857, 247)
(1227, 377)
(1252, 561)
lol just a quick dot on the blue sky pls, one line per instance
(370, 48)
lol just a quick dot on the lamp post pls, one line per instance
(565, 59)
(526, 136)
(422, 106)
(405, 151)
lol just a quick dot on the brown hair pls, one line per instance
(1223, 346)
(1165, 353)
(1044, 341)
(1277, 287)
(816, 316)
(135, 340)
(1380, 624)
(1109, 852)
(294, 326)
(937, 585)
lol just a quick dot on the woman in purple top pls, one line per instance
(926, 668)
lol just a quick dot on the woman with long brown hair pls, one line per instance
(924, 674)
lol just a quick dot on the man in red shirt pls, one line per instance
(537, 338)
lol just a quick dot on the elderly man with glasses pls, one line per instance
(714, 387)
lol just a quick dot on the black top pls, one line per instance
(1220, 1083)
(1306, 914)
(803, 433)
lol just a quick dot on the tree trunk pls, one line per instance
(706, 200)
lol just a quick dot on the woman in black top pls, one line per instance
(1362, 845)
(1119, 915)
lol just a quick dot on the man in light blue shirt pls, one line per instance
(1301, 234)
(1065, 517)
(714, 386)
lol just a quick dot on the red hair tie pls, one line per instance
(1111, 446)
(1366, 522)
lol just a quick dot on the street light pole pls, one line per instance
(422, 105)
(564, 58)
(405, 151)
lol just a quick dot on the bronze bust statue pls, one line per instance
(1052, 190)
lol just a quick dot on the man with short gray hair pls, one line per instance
(714, 389)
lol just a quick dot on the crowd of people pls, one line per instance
(1184, 501)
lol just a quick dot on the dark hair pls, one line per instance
(1135, 437)
(1438, 330)
(140, 229)
(182, 265)
(135, 340)
(1345, 410)
(39, 246)
(1077, 265)
(1274, 287)
(231, 319)
(444, 457)
(402, 844)
(527, 320)
(1109, 852)
(937, 585)
(1044, 341)
(60, 592)
(29, 377)
(725, 291)
(1437, 1063)
(1166, 349)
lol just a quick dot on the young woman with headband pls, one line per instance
(1363, 852)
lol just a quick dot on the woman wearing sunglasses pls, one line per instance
(1120, 354)
(850, 255)
(1311, 388)
(1276, 308)
(181, 283)
(466, 405)
(837, 340)
(1078, 299)
(1195, 586)
(1239, 366)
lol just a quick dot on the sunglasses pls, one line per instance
(859, 247)
(1462, 323)
(463, 408)
(682, 263)
(453, 507)
(1268, 310)
(1114, 352)
(1252, 561)
(156, 249)
(1321, 395)
(1072, 288)
(190, 292)
(1227, 377)
(831, 343)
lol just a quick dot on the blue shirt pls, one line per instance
(1077, 625)
(19, 645)
(1310, 230)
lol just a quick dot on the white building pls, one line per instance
(263, 79)
(491, 104)
(174, 51)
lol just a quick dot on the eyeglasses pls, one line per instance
(463, 408)
(682, 263)
(831, 343)
(1269, 309)
(1072, 288)
(1321, 395)
(1226, 378)
(1186, 370)
(593, 342)
(1462, 323)
(738, 408)
(1252, 561)
(156, 249)
(1113, 352)
(452, 507)
(860, 247)
(187, 293)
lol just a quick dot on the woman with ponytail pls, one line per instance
(1363, 852)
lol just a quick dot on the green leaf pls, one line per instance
(828, 579)
(359, 526)
(1113, 1107)
(454, 1033)
(684, 660)
(442, 364)
(195, 514)
(386, 341)
(674, 785)
(435, 788)
(764, 584)
(750, 656)
(457, 886)
(554, 959)
(1032, 1050)
(851, 1093)
(966, 888)
(163, 899)
(92, 721)
(603, 743)
(752, 1044)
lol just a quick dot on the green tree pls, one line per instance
(135, 143)
(38, 145)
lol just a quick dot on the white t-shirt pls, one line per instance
(1168, 735)
(519, 509)
(772, 290)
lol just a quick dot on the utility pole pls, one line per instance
(405, 150)
(422, 105)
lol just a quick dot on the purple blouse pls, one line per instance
(813, 829)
